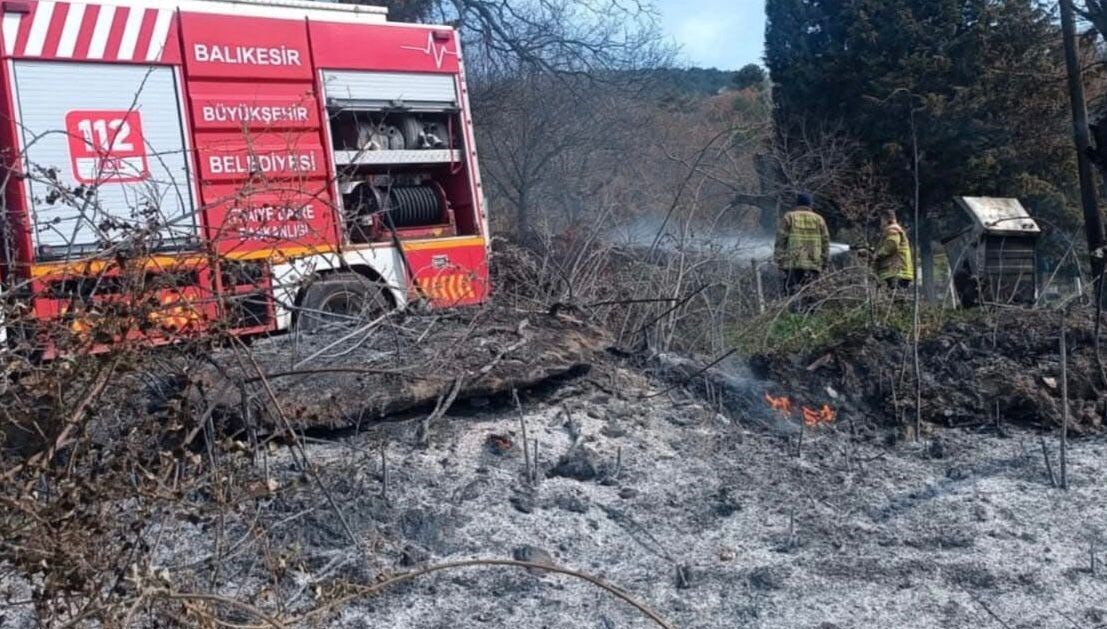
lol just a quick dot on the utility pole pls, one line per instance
(1093, 221)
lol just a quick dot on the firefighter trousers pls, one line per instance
(796, 279)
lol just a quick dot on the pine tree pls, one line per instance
(983, 78)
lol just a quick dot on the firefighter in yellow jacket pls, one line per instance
(892, 258)
(802, 245)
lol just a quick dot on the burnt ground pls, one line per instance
(711, 519)
(1003, 364)
(397, 365)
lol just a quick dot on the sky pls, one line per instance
(726, 34)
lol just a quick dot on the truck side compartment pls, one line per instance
(209, 160)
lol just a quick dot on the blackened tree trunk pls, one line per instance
(1093, 221)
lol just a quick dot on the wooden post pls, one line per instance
(919, 234)
(534, 458)
(799, 442)
(525, 442)
(1064, 402)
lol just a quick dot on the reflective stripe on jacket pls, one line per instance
(802, 241)
(893, 256)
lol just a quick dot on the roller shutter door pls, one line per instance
(381, 90)
(105, 148)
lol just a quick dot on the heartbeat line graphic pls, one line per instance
(432, 48)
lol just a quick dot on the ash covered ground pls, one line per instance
(711, 519)
(715, 525)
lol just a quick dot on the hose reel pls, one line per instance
(403, 207)
(413, 206)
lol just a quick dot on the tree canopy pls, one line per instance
(982, 80)
(751, 75)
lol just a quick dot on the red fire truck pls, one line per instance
(262, 164)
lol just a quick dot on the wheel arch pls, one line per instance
(362, 269)
(371, 274)
(294, 277)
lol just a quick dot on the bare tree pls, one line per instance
(538, 137)
(560, 36)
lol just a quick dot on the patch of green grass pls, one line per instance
(790, 333)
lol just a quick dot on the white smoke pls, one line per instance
(735, 245)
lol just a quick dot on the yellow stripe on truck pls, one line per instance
(443, 243)
(95, 267)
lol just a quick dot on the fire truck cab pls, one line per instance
(250, 164)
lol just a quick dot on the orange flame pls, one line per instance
(782, 405)
(825, 415)
(811, 417)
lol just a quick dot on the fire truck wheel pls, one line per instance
(341, 299)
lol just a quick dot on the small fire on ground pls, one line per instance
(811, 417)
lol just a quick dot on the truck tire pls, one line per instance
(341, 299)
